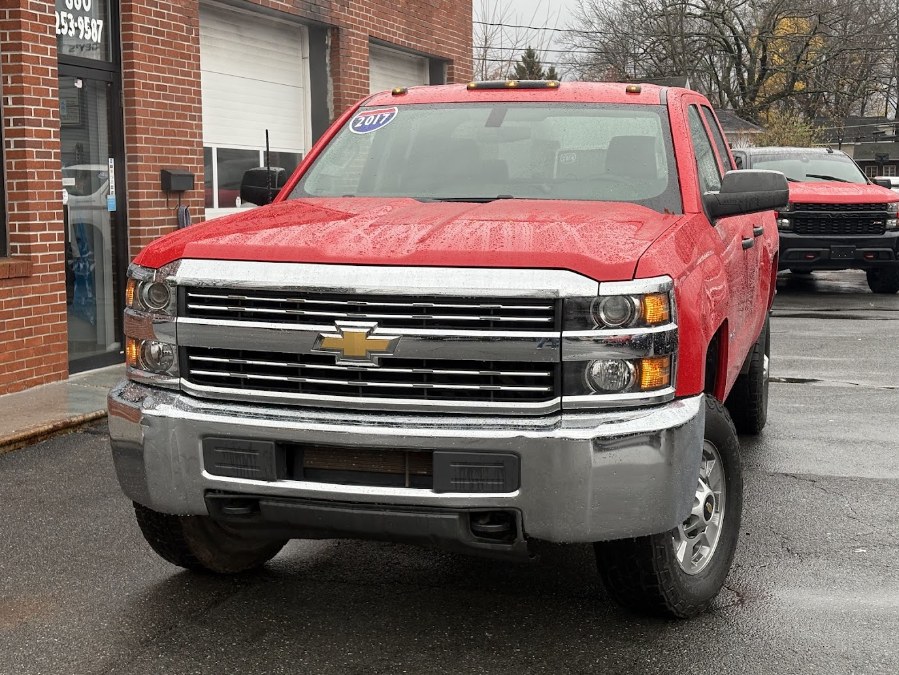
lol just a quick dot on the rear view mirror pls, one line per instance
(261, 185)
(747, 191)
(882, 182)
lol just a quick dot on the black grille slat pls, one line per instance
(414, 312)
(413, 379)
(839, 219)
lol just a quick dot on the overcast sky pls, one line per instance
(540, 13)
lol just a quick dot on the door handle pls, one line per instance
(758, 231)
(748, 242)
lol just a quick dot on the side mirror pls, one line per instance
(738, 160)
(882, 182)
(747, 191)
(260, 186)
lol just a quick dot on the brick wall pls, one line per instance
(163, 110)
(163, 128)
(32, 279)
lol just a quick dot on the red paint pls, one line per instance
(834, 192)
(719, 286)
(601, 241)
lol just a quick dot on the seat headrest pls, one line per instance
(632, 156)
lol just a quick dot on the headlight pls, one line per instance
(784, 224)
(620, 347)
(893, 208)
(643, 310)
(151, 355)
(149, 295)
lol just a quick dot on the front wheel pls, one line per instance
(678, 573)
(884, 280)
(200, 544)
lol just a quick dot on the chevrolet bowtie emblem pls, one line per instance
(354, 345)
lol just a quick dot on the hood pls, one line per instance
(598, 239)
(833, 192)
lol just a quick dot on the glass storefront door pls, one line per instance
(93, 222)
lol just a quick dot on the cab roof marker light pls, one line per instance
(399, 91)
(514, 84)
(633, 89)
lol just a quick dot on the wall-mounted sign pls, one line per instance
(82, 28)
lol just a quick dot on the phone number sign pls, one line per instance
(81, 28)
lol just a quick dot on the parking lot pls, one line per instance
(814, 588)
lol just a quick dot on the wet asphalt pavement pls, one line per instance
(814, 588)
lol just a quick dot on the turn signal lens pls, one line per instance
(132, 352)
(655, 372)
(656, 309)
(130, 290)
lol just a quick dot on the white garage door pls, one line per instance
(254, 73)
(389, 68)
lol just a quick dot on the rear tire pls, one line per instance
(747, 402)
(678, 573)
(200, 544)
(883, 280)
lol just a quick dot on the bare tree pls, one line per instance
(501, 35)
(818, 58)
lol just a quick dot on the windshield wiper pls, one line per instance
(824, 176)
(474, 200)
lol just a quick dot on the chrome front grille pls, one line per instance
(397, 312)
(311, 375)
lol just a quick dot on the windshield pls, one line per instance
(481, 152)
(814, 167)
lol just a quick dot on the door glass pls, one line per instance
(82, 29)
(89, 206)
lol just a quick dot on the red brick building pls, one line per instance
(99, 96)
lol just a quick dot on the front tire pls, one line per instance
(200, 544)
(883, 280)
(678, 573)
(747, 402)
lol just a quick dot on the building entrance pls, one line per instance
(93, 214)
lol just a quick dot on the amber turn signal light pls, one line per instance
(655, 372)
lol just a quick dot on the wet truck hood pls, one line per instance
(598, 239)
(834, 192)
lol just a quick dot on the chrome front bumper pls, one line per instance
(583, 476)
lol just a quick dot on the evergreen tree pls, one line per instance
(530, 68)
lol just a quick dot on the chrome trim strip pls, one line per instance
(145, 326)
(638, 399)
(661, 284)
(382, 369)
(366, 303)
(385, 280)
(366, 317)
(540, 347)
(364, 383)
(369, 403)
(611, 344)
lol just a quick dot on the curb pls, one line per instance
(40, 433)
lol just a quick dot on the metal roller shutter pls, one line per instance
(254, 73)
(389, 68)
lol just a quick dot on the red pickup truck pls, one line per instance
(475, 317)
(837, 218)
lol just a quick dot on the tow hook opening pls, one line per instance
(499, 526)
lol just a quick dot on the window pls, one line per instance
(720, 144)
(706, 164)
(484, 151)
(810, 165)
(870, 171)
(889, 170)
(224, 169)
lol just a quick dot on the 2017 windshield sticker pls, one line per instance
(372, 120)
